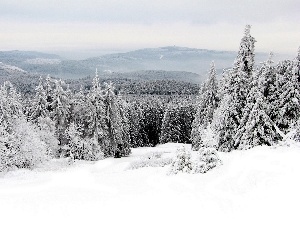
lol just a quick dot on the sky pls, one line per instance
(94, 26)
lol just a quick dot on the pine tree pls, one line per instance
(235, 91)
(207, 103)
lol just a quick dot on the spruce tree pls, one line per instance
(289, 98)
(60, 111)
(39, 103)
(94, 120)
(207, 103)
(235, 89)
(116, 123)
(256, 127)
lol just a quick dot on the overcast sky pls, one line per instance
(120, 25)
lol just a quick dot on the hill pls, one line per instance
(172, 58)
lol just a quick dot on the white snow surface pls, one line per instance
(257, 186)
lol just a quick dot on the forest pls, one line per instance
(250, 105)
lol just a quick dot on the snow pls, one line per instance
(257, 186)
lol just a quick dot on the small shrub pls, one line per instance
(182, 162)
(208, 159)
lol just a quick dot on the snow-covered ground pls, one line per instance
(258, 186)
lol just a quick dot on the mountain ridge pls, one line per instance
(168, 58)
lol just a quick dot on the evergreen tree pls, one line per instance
(49, 92)
(75, 143)
(207, 103)
(60, 111)
(182, 162)
(20, 144)
(289, 99)
(94, 117)
(10, 104)
(208, 159)
(118, 135)
(235, 91)
(266, 76)
(47, 132)
(256, 127)
(39, 103)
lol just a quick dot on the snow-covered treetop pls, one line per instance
(247, 30)
(212, 75)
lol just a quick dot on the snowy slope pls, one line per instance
(258, 186)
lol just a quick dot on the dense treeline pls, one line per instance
(25, 83)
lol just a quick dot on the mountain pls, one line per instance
(167, 61)
(22, 58)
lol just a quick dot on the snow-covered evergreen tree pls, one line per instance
(47, 132)
(20, 143)
(39, 103)
(296, 131)
(289, 98)
(60, 110)
(94, 120)
(208, 159)
(10, 104)
(235, 91)
(27, 148)
(256, 127)
(123, 107)
(118, 134)
(181, 162)
(75, 144)
(49, 86)
(207, 103)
